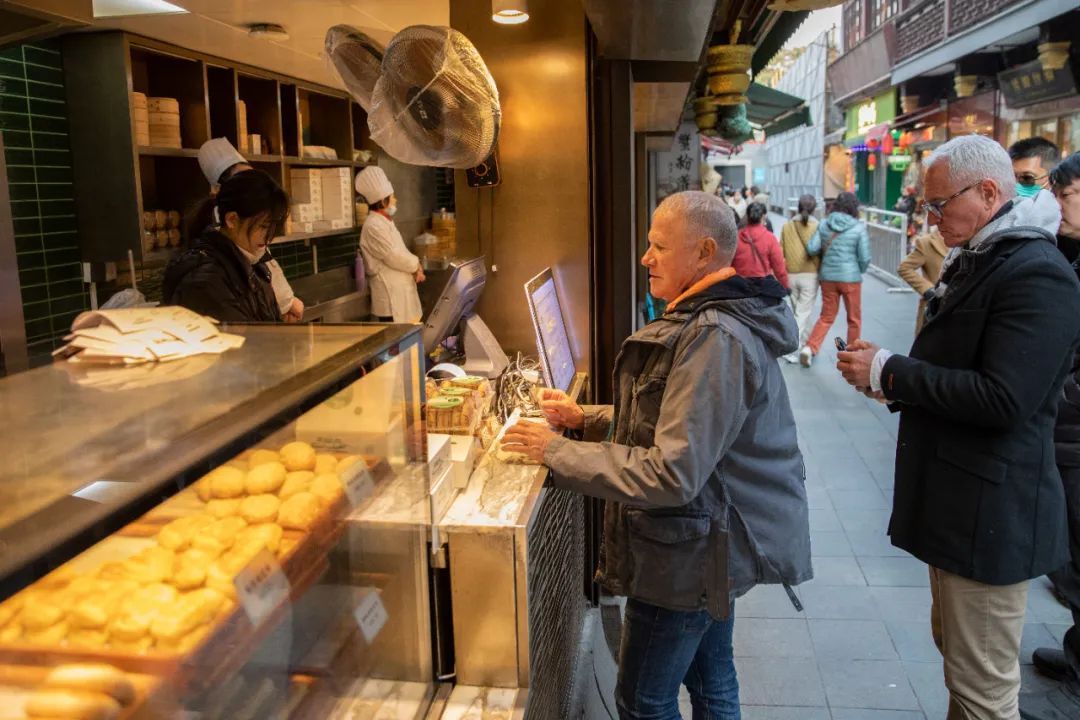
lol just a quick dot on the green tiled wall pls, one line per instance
(296, 260)
(33, 120)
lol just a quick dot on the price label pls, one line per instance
(261, 587)
(358, 483)
(371, 615)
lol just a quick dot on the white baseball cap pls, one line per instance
(372, 183)
(216, 156)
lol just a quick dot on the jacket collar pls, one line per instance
(213, 241)
(703, 284)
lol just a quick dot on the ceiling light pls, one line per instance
(119, 8)
(268, 31)
(510, 12)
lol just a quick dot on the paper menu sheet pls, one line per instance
(126, 336)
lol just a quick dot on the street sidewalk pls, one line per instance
(862, 649)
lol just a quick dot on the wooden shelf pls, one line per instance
(315, 235)
(263, 158)
(318, 162)
(167, 152)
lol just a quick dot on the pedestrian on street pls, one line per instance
(802, 266)
(977, 496)
(1064, 664)
(758, 253)
(1032, 160)
(737, 203)
(844, 247)
(697, 459)
(922, 267)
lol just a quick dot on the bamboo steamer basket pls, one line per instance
(729, 58)
(731, 99)
(729, 83)
(163, 105)
(138, 100)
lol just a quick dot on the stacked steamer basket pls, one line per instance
(142, 118)
(444, 227)
(241, 119)
(164, 116)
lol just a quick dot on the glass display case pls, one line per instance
(233, 536)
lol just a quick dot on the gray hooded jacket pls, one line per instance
(698, 458)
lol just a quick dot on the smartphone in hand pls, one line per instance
(841, 344)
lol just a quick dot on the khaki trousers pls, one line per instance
(977, 628)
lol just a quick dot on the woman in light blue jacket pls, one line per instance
(844, 246)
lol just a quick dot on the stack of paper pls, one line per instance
(131, 336)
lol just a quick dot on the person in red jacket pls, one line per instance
(758, 252)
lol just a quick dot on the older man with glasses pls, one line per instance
(977, 495)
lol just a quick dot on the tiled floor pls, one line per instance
(862, 649)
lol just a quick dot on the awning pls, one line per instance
(775, 111)
(784, 27)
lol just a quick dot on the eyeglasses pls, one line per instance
(1029, 180)
(938, 208)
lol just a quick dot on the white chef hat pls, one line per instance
(372, 183)
(216, 156)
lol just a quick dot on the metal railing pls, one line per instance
(888, 243)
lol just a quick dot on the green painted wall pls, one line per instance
(885, 106)
(34, 123)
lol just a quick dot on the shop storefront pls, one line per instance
(870, 141)
(1037, 101)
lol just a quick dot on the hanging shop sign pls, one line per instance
(1029, 83)
(866, 116)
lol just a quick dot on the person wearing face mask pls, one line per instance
(220, 274)
(1032, 160)
(392, 270)
(219, 161)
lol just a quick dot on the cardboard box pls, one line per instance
(464, 452)
(305, 212)
(438, 454)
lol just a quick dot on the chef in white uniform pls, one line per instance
(219, 161)
(392, 270)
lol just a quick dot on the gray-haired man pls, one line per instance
(978, 497)
(697, 460)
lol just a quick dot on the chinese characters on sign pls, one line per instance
(1029, 83)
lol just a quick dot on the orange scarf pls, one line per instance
(705, 282)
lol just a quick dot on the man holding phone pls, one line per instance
(977, 494)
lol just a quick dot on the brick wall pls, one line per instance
(921, 28)
(965, 13)
(33, 120)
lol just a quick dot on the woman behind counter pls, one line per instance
(393, 271)
(219, 275)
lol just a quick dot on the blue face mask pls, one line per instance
(1027, 191)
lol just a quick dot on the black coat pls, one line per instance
(214, 278)
(1067, 430)
(977, 490)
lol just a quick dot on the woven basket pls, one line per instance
(731, 99)
(728, 83)
(706, 121)
(729, 58)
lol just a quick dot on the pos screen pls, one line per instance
(552, 341)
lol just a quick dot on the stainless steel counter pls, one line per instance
(331, 296)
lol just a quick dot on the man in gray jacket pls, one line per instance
(697, 460)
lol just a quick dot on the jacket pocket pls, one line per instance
(648, 393)
(668, 558)
(988, 467)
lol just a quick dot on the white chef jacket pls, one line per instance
(390, 268)
(283, 291)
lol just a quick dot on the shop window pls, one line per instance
(853, 26)
(1070, 135)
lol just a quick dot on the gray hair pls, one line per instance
(973, 158)
(705, 215)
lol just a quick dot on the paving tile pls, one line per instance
(872, 684)
(772, 638)
(763, 712)
(1036, 635)
(824, 518)
(862, 520)
(783, 681)
(1042, 606)
(766, 601)
(1058, 630)
(817, 497)
(852, 640)
(928, 681)
(869, 499)
(837, 571)
(913, 640)
(895, 571)
(829, 544)
(873, 543)
(838, 603)
(865, 714)
(902, 603)
(1032, 682)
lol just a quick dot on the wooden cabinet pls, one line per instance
(117, 179)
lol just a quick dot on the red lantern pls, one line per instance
(887, 144)
(871, 161)
(906, 139)
(873, 143)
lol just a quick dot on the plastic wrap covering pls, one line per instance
(357, 59)
(435, 102)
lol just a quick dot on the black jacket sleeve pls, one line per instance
(1032, 323)
(207, 291)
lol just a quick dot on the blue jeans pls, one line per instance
(662, 649)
